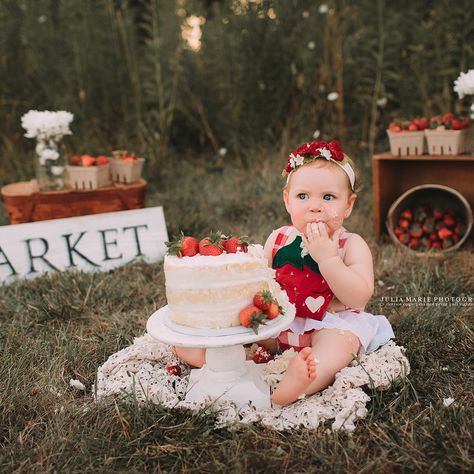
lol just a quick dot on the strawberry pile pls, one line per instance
(88, 160)
(439, 122)
(424, 228)
(264, 307)
(448, 122)
(216, 243)
(415, 125)
(124, 155)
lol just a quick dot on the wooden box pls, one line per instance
(393, 175)
(25, 203)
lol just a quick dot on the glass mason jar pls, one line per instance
(50, 169)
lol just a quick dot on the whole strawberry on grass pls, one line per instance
(183, 246)
(174, 369)
(252, 317)
(262, 356)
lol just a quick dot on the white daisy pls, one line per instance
(325, 153)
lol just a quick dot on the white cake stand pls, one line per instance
(227, 374)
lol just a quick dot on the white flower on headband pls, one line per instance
(325, 153)
(297, 160)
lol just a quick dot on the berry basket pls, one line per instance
(88, 177)
(125, 169)
(447, 142)
(435, 209)
(406, 143)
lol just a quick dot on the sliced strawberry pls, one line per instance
(174, 369)
(262, 356)
(252, 317)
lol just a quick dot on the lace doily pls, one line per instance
(140, 370)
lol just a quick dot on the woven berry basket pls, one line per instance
(438, 196)
(406, 143)
(24, 202)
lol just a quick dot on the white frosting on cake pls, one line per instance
(210, 291)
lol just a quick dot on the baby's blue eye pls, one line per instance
(328, 195)
(303, 196)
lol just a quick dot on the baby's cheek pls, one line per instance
(335, 220)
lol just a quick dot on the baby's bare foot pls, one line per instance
(300, 373)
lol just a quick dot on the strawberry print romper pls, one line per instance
(306, 288)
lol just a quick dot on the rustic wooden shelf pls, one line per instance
(25, 203)
(393, 175)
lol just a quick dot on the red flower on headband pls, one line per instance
(314, 149)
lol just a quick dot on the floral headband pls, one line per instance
(308, 152)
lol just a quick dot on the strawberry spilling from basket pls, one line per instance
(424, 228)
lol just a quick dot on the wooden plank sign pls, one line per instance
(96, 242)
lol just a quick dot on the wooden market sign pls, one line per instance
(90, 243)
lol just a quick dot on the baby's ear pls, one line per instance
(350, 204)
(285, 198)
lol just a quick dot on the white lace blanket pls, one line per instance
(140, 370)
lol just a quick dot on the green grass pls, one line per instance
(65, 326)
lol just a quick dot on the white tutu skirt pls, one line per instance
(372, 330)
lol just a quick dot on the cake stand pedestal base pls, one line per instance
(227, 375)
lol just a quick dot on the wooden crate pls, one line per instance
(25, 203)
(393, 175)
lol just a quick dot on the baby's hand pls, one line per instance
(320, 246)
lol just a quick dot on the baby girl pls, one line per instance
(326, 271)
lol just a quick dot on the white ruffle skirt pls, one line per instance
(372, 330)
